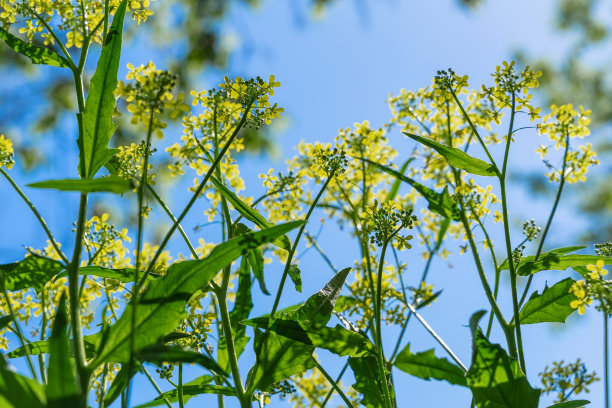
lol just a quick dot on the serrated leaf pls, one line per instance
(426, 365)
(558, 251)
(38, 55)
(457, 157)
(97, 118)
(110, 184)
(33, 272)
(571, 404)
(249, 212)
(257, 266)
(337, 339)
(367, 381)
(17, 391)
(553, 305)
(296, 277)
(495, 379)
(62, 389)
(439, 203)
(559, 262)
(162, 305)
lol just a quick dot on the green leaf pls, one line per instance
(162, 305)
(367, 381)
(559, 262)
(33, 272)
(97, 118)
(38, 55)
(279, 358)
(62, 389)
(296, 278)
(17, 391)
(397, 183)
(570, 404)
(557, 251)
(553, 305)
(496, 379)
(439, 203)
(125, 275)
(319, 307)
(110, 184)
(249, 212)
(159, 354)
(337, 339)
(457, 157)
(426, 365)
(44, 347)
(120, 382)
(257, 265)
(4, 321)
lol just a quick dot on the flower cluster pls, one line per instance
(531, 230)
(593, 287)
(383, 222)
(75, 19)
(130, 162)
(148, 94)
(447, 83)
(328, 162)
(567, 379)
(6, 153)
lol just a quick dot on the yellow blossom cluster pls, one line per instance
(592, 287)
(6, 152)
(77, 20)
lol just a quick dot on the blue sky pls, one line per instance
(340, 69)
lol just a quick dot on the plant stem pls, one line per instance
(152, 381)
(333, 383)
(438, 338)
(39, 217)
(331, 392)
(606, 362)
(380, 357)
(180, 386)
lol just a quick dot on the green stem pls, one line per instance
(333, 383)
(180, 386)
(331, 392)
(43, 330)
(152, 381)
(39, 217)
(606, 362)
(380, 357)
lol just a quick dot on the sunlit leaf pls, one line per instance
(110, 184)
(33, 272)
(38, 55)
(97, 122)
(558, 251)
(559, 262)
(553, 305)
(257, 265)
(457, 157)
(200, 385)
(17, 391)
(570, 404)
(160, 354)
(296, 277)
(367, 381)
(495, 379)
(426, 365)
(125, 275)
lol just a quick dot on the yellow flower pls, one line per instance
(597, 270)
(6, 153)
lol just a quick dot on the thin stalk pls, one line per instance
(139, 234)
(22, 339)
(152, 381)
(55, 37)
(380, 357)
(606, 362)
(43, 330)
(39, 217)
(180, 386)
(438, 338)
(333, 383)
(103, 385)
(196, 194)
(506, 221)
(338, 378)
(550, 217)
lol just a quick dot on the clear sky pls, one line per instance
(338, 70)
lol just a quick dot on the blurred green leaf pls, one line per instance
(257, 265)
(125, 275)
(110, 184)
(17, 391)
(570, 404)
(296, 278)
(33, 272)
(160, 353)
(426, 365)
(198, 386)
(397, 183)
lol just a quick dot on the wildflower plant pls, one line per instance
(87, 322)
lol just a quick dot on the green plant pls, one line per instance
(160, 308)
